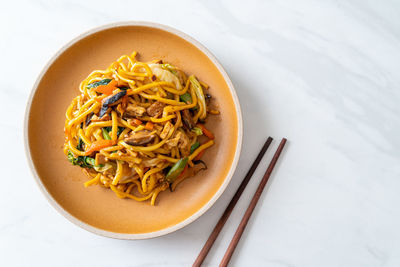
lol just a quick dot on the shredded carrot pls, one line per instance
(149, 126)
(107, 89)
(205, 131)
(124, 101)
(198, 157)
(97, 145)
(136, 121)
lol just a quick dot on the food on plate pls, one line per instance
(138, 127)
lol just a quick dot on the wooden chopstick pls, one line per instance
(252, 205)
(218, 227)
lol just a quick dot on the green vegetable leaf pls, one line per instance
(120, 130)
(90, 161)
(105, 133)
(200, 96)
(176, 170)
(80, 145)
(95, 84)
(72, 158)
(170, 68)
(186, 98)
(82, 161)
(197, 131)
(194, 147)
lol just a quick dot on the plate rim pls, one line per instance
(188, 220)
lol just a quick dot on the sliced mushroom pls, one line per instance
(198, 166)
(156, 109)
(187, 119)
(139, 138)
(133, 111)
(110, 101)
(89, 118)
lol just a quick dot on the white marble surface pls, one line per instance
(325, 74)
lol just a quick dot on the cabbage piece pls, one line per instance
(165, 75)
(103, 168)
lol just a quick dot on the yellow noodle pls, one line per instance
(124, 132)
(83, 115)
(167, 158)
(129, 189)
(144, 90)
(118, 173)
(68, 113)
(152, 182)
(93, 181)
(145, 66)
(130, 82)
(147, 86)
(136, 74)
(111, 148)
(162, 119)
(162, 151)
(156, 192)
(139, 171)
(163, 100)
(148, 173)
(139, 187)
(204, 84)
(84, 138)
(142, 148)
(125, 124)
(175, 91)
(169, 109)
(93, 125)
(97, 134)
(114, 126)
(200, 148)
(74, 150)
(121, 193)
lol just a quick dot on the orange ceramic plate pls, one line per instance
(98, 209)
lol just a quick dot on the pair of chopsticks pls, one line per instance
(218, 227)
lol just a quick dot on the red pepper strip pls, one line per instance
(200, 155)
(183, 172)
(205, 131)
